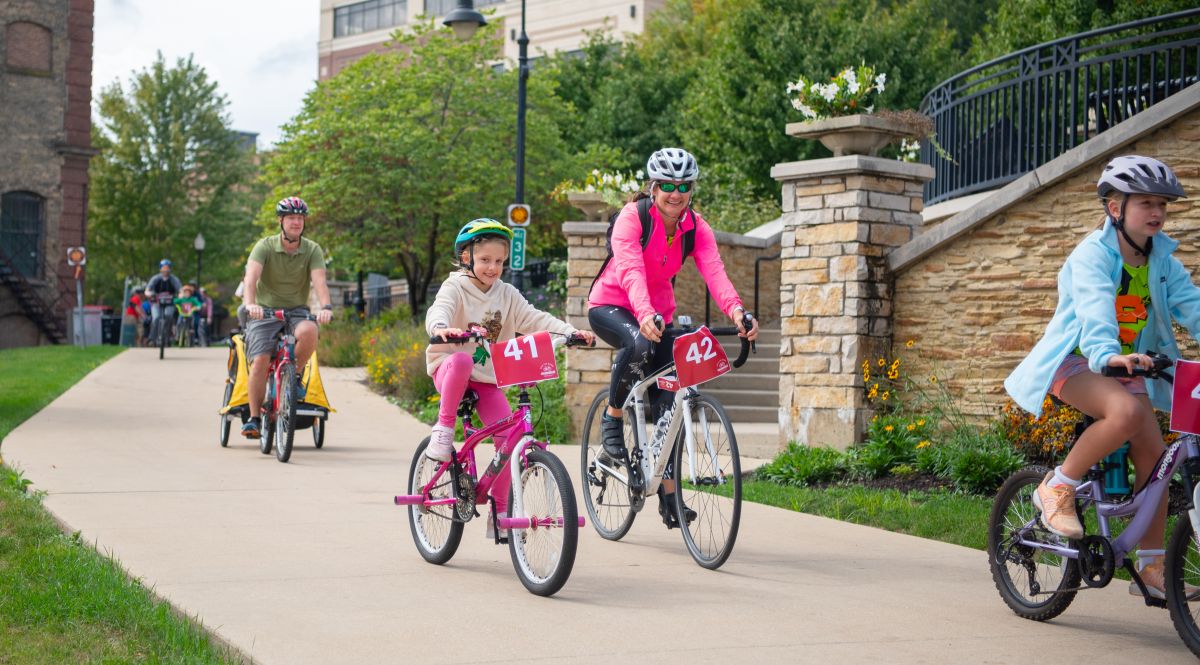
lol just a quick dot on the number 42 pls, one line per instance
(693, 353)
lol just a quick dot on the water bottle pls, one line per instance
(1116, 472)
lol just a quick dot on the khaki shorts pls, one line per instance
(260, 334)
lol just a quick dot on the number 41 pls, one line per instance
(513, 348)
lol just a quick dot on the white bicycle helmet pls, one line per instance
(1134, 174)
(672, 164)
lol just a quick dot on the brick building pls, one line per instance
(45, 137)
(351, 29)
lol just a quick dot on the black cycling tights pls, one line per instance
(636, 356)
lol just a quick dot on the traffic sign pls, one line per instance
(517, 260)
(76, 256)
(518, 214)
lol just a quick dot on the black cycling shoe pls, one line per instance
(668, 515)
(612, 435)
(252, 429)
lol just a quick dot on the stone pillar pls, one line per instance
(588, 370)
(841, 217)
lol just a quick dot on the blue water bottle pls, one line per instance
(1116, 471)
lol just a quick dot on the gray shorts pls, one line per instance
(260, 334)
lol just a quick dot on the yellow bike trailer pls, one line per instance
(313, 411)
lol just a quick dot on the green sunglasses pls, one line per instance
(683, 187)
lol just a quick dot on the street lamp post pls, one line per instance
(198, 244)
(465, 21)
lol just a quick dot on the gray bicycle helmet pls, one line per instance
(1134, 174)
(672, 164)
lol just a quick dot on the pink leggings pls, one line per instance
(452, 378)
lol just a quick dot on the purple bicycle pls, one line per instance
(543, 519)
(1038, 573)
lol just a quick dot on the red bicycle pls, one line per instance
(283, 386)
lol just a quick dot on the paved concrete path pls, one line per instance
(309, 562)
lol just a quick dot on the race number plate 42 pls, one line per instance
(1185, 398)
(527, 359)
(699, 357)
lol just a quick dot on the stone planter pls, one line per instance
(851, 134)
(592, 204)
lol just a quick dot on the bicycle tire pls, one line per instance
(1182, 570)
(1013, 509)
(225, 424)
(434, 530)
(162, 336)
(266, 437)
(607, 500)
(318, 432)
(710, 537)
(543, 558)
(285, 416)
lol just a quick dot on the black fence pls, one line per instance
(1009, 116)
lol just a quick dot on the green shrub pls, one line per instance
(803, 465)
(979, 465)
(892, 440)
(338, 344)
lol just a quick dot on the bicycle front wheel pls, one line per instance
(225, 417)
(162, 336)
(285, 416)
(709, 483)
(543, 556)
(606, 497)
(1030, 579)
(434, 530)
(1183, 576)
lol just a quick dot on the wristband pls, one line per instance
(327, 307)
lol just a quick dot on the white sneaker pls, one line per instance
(441, 443)
(490, 533)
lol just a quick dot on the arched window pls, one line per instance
(22, 219)
(27, 48)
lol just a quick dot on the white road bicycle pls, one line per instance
(705, 454)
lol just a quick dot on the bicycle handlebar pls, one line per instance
(1161, 363)
(281, 314)
(572, 339)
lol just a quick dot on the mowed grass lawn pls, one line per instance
(61, 601)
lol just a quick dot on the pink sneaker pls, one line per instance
(441, 444)
(1057, 503)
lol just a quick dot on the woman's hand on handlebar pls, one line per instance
(751, 334)
(650, 329)
(447, 333)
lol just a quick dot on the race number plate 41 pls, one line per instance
(1185, 398)
(527, 359)
(699, 357)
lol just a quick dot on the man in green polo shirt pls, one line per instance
(278, 276)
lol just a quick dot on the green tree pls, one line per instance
(169, 167)
(399, 150)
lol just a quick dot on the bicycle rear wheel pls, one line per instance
(543, 557)
(710, 483)
(434, 530)
(285, 417)
(606, 498)
(1183, 571)
(1028, 578)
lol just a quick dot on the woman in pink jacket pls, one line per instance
(635, 286)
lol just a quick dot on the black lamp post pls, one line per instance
(465, 21)
(198, 244)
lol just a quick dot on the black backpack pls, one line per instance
(643, 207)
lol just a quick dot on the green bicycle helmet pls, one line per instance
(477, 228)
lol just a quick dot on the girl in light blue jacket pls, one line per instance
(1117, 294)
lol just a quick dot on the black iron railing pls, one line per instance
(1009, 116)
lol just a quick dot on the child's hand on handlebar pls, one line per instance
(447, 333)
(586, 335)
(650, 327)
(1131, 361)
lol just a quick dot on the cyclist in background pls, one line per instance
(163, 282)
(636, 284)
(279, 274)
(1117, 294)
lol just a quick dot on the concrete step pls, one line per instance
(752, 414)
(743, 380)
(737, 397)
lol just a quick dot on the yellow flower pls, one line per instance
(893, 374)
(882, 362)
(933, 379)
(885, 394)
(874, 418)
(435, 397)
(887, 428)
(921, 423)
(923, 444)
(909, 344)
(874, 391)
(911, 427)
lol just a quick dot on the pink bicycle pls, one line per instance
(543, 519)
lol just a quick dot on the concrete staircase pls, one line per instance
(750, 395)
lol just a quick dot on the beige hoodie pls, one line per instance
(503, 311)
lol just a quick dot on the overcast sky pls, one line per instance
(261, 53)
